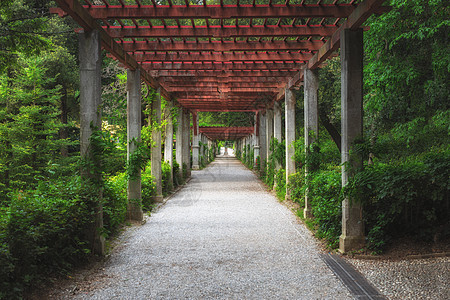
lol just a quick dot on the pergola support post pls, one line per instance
(168, 144)
(352, 236)
(290, 135)
(187, 142)
(179, 140)
(311, 119)
(277, 127)
(90, 114)
(269, 132)
(195, 142)
(134, 207)
(156, 150)
(262, 141)
(256, 145)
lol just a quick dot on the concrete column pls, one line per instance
(277, 126)
(168, 144)
(311, 119)
(187, 142)
(290, 134)
(351, 128)
(179, 140)
(256, 145)
(262, 141)
(134, 208)
(269, 131)
(90, 113)
(195, 142)
(156, 149)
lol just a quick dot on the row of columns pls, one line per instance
(268, 126)
(351, 114)
(90, 120)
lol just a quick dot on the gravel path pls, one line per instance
(408, 279)
(221, 237)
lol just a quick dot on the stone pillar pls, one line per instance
(256, 140)
(262, 141)
(134, 208)
(90, 113)
(156, 149)
(168, 144)
(195, 142)
(351, 128)
(179, 140)
(277, 126)
(269, 131)
(290, 135)
(311, 119)
(187, 142)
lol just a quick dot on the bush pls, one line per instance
(167, 186)
(177, 178)
(148, 187)
(115, 201)
(296, 187)
(408, 197)
(280, 181)
(325, 199)
(41, 233)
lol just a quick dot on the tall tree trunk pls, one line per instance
(334, 133)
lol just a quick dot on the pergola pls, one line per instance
(226, 55)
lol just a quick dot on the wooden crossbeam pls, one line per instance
(217, 57)
(220, 73)
(218, 31)
(220, 12)
(82, 17)
(311, 45)
(222, 66)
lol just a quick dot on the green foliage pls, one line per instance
(405, 197)
(42, 233)
(407, 74)
(280, 184)
(148, 187)
(114, 202)
(324, 193)
(167, 186)
(29, 127)
(177, 176)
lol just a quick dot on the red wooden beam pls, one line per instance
(222, 89)
(268, 56)
(82, 17)
(222, 46)
(220, 73)
(220, 12)
(218, 31)
(222, 66)
(363, 11)
(224, 85)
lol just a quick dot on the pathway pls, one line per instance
(221, 237)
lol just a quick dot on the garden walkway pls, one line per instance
(222, 236)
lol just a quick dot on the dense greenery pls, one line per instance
(46, 206)
(404, 184)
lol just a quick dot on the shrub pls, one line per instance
(115, 200)
(280, 181)
(41, 233)
(167, 186)
(325, 198)
(296, 187)
(148, 187)
(408, 197)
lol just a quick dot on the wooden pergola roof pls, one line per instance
(223, 55)
(226, 133)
